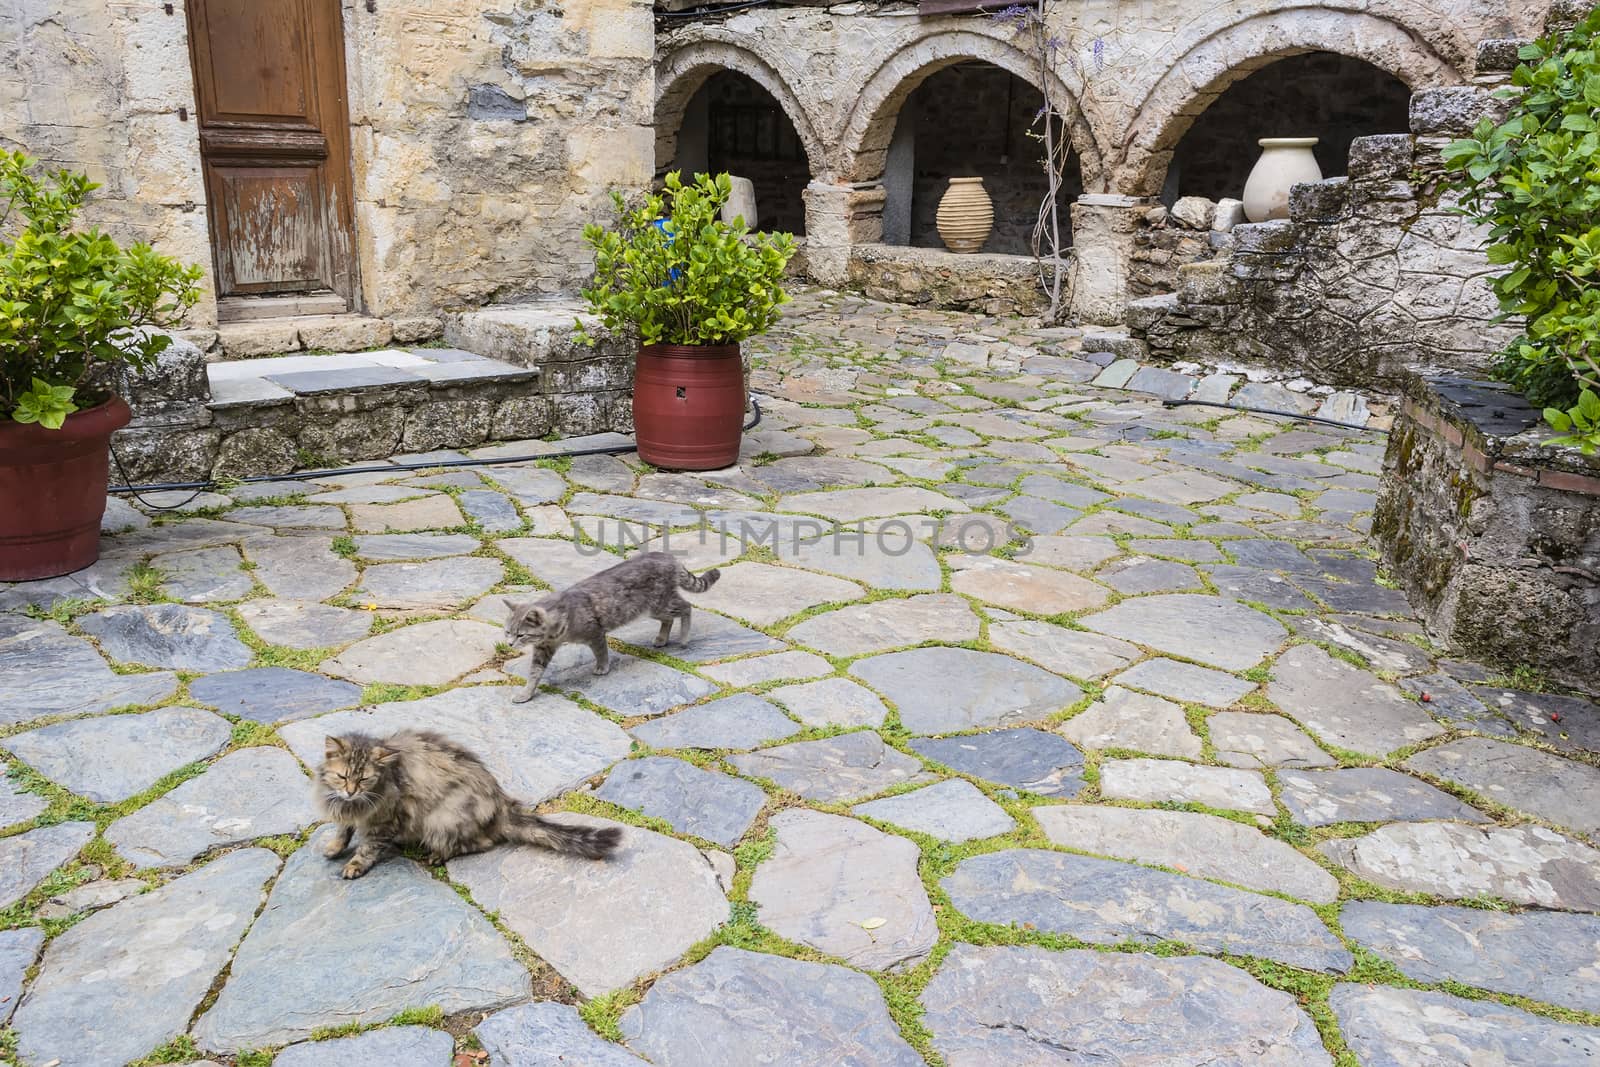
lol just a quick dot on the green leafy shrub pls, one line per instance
(679, 274)
(1579, 426)
(1534, 179)
(72, 302)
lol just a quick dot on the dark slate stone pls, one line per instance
(1563, 722)
(1366, 794)
(18, 949)
(114, 757)
(1271, 555)
(1039, 516)
(26, 859)
(127, 979)
(943, 689)
(46, 671)
(1552, 787)
(739, 1007)
(392, 1046)
(1106, 901)
(1157, 510)
(490, 103)
(1367, 597)
(1450, 701)
(737, 722)
(1259, 587)
(274, 694)
(1388, 1027)
(694, 801)
(1020, 1005)
(547, 1034)
(168, 635)
(832, 768)
(335, 381)
(492, 510)
(1542, 955)
(1026, 758)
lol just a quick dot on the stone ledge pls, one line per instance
(1489, 529)
(932, 277)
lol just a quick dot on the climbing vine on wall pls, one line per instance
(1534, 179)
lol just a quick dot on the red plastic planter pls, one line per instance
(688, 406)
(53, 492)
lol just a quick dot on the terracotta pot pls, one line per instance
(1285, 162)
(965, 216)
(53, 492)
(688, 406)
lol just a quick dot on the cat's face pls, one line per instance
(529, 626)
(354, 773)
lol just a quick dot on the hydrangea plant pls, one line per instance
(73, 301)
(677, 273)
(1534, 179)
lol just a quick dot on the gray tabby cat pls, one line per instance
(647, 584)
(416, 787)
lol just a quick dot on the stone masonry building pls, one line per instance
(397, 160)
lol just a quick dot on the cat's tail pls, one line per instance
(697, 583)
(590, 842)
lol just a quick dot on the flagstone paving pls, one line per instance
(1093, 731)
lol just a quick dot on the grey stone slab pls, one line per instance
(327, 950)
(1344, 705)
(490, 510)
(303, 624)
(564, 906)
(1271, 555)
(876, 562)
(651, 512)
(1450, 701)
(536, 750)
(203, 575)
(703, 803)
(1124, 719)
(1564, 722)
(1023, 587)
(251, 793)
(26, 859)
(1117, 375)
(800, 474)
(1366, 597)
(300, 568)
(1140, 574)
(1077, 653)
(1199, 845)
(1039, 516)
(1186, 682)
(832, 769)
(1519, 864)
(167, 635)
(547, 1034)
(391, 547)
(1107, 901)
(392, 1046)
(126, 980)
(369, 494)
(1259, 587)
(1072, 494)
(1024, 1005)
(1023, 758)
(762, 594)
(18, 950)
(885, 624)
(310, 382)
(941, 689)
(954, 810)
(273, 694)
(530, 486)
(1194, 551)
(1561, 790)
(291, 516)
(1208, 629)
(1380, 653)
(844, 888)
(1389, 1027)
(114, 757)
(425, 653)
(741, 721)
(776, 667)
(1246, 739)
(441, 584)
(739, 1007)
(17, 806)
(632, 687)
(713, 637)
(831, 702)
(1173, 781)
(1166, 384)
(1544, 956)
(91, 896)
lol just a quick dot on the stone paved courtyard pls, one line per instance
(1172, 780)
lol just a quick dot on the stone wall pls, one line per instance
(931, 277)
(1169, 237)
(1371, 276)
(485, 133)
(1494, 535)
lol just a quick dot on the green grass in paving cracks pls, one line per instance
(144, 584)
(388, 692)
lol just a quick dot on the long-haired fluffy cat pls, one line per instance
(416, 787)
(647, 584)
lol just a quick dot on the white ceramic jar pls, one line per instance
(1285, 162)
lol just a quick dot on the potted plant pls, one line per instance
(693, 287)
(73, 307)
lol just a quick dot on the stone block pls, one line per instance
(1145, 313)
(1384, 155)
(356, 435)
(343, 333)
(268, 338)
(261, 450)
(1272, 237)
(178, 374)
(1454, 110)
(159, 454)
(415, 329)
(1195, 212)
(521, 417)
(1229, 213)
(1324, 201)
(448, 424)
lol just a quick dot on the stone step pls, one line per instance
(1345, 407)
(248, 338)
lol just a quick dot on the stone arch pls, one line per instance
(864, 144)
(1217, 60)
(683, 71)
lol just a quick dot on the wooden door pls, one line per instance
(275, 147)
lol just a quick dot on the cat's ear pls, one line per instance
(511, 605)
(536, 617)
(384, 756)
(335, 746)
